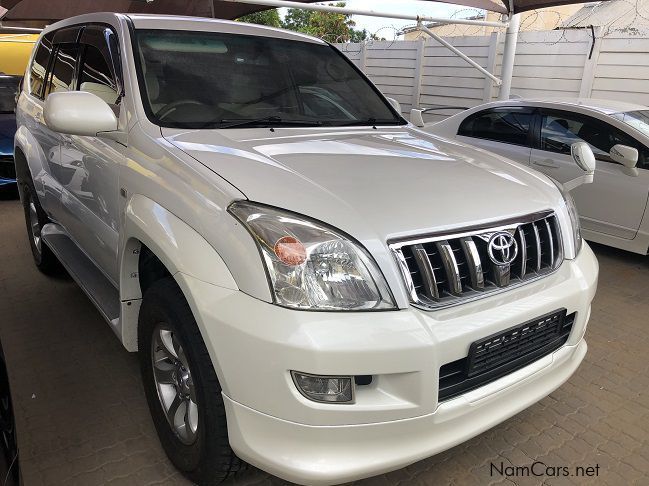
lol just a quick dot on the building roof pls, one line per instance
(614, 14)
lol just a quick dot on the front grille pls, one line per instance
(503, 353)
(450, 269)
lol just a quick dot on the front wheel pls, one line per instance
(182, 390)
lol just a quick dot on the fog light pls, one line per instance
(330, 389)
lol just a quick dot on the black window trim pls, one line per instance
(115, 61)
(495, 109)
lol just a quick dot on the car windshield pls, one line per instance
(8, 90)
(636, 119)
(218, 80)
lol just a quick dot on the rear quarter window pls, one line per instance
(510, 126)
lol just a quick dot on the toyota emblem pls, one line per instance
(502, 248)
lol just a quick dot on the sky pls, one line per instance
(384, 27)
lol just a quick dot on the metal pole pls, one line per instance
(511, 38)
(369, 13)
(459, 53)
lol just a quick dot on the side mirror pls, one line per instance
(78, 113)
(584, 157)
(625, 155)
(416, 118)
(395, 104)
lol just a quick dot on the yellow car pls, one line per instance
(15, 50)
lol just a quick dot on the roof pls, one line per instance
(48, 10)
(614, 13)
(603, 106)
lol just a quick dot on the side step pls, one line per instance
(97, 287)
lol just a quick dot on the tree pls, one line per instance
(330, 26)
(265, 17)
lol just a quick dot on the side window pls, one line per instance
(39, 66)
(501, 125)
(61, 77)
(560, 130)
(96, 76)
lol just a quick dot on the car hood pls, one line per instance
(375, 184)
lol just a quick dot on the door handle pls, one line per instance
(546, 163)
(39, 117)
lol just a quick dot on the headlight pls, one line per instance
(574, 217)
(312, 266)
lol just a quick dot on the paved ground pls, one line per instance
(82, 417)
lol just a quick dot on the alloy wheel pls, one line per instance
(174, 383)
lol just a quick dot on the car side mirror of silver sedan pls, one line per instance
(627, 157)
(584, 157)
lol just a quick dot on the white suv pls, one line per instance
(312, 283)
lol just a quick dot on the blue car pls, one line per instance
(8, 90)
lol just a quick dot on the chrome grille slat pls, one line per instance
(537, 241)
(449, 269)
(427, 271)
(523, 251)
(550, 242)
(473, 262)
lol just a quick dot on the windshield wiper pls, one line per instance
(371, 122)
(267, 120)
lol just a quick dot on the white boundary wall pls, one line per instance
(557, 63)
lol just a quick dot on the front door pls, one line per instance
(90, 195)
(615, 202)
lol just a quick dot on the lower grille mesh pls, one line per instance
(496, 356)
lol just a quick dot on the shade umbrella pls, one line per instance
(48, 11)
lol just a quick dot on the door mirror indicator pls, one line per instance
(79, 113)
(584, 157)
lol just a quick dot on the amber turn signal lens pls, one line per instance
(290, 251)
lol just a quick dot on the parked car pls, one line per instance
(538, 133)
(8, 91)
(313, 285)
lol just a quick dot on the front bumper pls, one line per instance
(397, 419)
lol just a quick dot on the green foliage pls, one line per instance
(332, 27)
(265, 17)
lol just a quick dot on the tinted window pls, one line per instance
(61, 77)
(96, 76)
(560, 130)
(204, 79)
(501, 125)
(39, 65)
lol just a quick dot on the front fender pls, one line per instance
(177, 245)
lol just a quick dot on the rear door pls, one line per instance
(615, 202)
(503, 130)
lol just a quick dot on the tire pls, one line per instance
(166, 323)
(35, 218)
